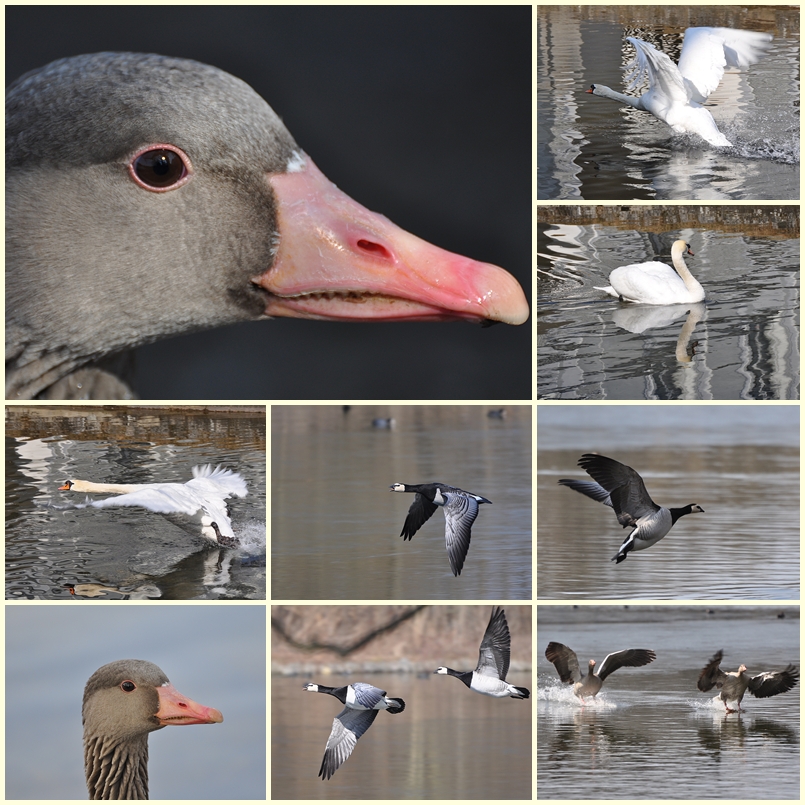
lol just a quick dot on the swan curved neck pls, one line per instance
(628, 100)
(684, 272)
(116, 769)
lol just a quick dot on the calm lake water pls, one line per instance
(739, 463)
(335, 525)
(429, 751)
(134, 551)
(650, 733)
(593, 148)
(741, 343)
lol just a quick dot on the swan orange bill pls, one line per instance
(339, 261)
(177, 710)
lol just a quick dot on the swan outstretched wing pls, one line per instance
(707, 52)
(163, 499)
(170, 499)
(663, 75)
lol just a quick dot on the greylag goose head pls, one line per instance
(149, 196)
(123, 702)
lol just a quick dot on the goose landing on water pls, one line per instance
(123, 702)
(362, 704)
(620, 487)
(198, 506)
(734, 684)
(460, 511)
(567, 665)
(489, 676)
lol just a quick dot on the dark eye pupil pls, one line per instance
(128, 686)
(160, 168)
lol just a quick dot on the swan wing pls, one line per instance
(171, 499)
(218, 481)
(651, 283)
(666, 85)
(707, 52)
(163, 499)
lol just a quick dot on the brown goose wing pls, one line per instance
(770, 683)
(565, 661)
(711, 675)
(629, 657)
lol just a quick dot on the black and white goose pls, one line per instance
(362, 704)
(489, 676)
(460, 511)
(205, 212)
(620, 487)
(733, 684)
(567, 665)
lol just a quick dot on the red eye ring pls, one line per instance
(160, 167)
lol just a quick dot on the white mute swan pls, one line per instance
(199, 502)
(676, 92)
(656, 283)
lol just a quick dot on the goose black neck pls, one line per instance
(464, 676)
(677, 513)
(339, 693)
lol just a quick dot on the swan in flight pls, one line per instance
(201, 502)
(676, 92)
(655, 283)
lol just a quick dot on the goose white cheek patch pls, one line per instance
(339, 261)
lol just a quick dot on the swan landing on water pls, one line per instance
(198, 506)
(656, 283)
(676, 92)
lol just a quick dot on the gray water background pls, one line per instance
(50, 544)
(739, 463)
(593, 148)
(650, 733)
(741, 343)
(335, 525)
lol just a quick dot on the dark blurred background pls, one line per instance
(422, 114)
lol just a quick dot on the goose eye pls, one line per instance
(160, 168)
(128, 686)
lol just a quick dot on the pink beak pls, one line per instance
(177, 710)
(338, 261)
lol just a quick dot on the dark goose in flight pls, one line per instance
(149, 196)
(489, 676)
(621, 488)
(460, 510)
(362, 702)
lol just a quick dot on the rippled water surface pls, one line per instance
(741, 343)
(650, 733)
(591, 147)
(128, 552)
(739, 463)
(335, 526)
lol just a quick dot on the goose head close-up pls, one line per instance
(149, 196)
(123, 702)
